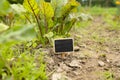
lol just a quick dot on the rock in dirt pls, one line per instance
(108, 60)
(117, 64)
(101, 63)
(76, 49)
(75, 63)
(59, 76)
(64, 67)
(80, 56)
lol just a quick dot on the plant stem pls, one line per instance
(62, 25)
(46, 24)
(36, 19)
(71, 26)
(27, 18)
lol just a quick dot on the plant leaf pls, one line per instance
(57, 6)
(49, 35)
(31, 6)
(46, 10)
(3, 27)
(4, 7)
(69, 7)
(18, 8)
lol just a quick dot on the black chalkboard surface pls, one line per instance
(63, 45)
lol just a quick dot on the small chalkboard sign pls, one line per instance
(63, 45)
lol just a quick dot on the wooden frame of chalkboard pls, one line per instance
(63, 45)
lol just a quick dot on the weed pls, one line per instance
(108, 75)
(102, 55)
(98, 38)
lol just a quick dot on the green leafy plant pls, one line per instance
(52, 17)
(13, 24)
(3, 27)
(4, 7)
(108, 75)
(18, 63)
(5, 10)
(10, 14)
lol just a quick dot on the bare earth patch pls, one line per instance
(97, 57)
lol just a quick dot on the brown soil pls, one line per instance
(97, 58)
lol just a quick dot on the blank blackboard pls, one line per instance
(63, 45)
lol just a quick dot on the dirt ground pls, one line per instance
(96, 55)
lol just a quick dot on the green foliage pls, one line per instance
(102, 3)
(18, 8)
(4, 7)
(108, 75)
(3, 27)
(114, 25)
(46, 10)
(52, 16)
(101, 11)
(15, 1)
(18, 33)
(22, 62)
(13, 25)
(113, 21)
(118, 10)
(31, 6)
(13, 16)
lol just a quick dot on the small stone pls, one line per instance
(64, 67)
(106, 69)
(59, 76)
(108, 60)
(101, 63)
(81, 56)
(75, 63)
(76, 49)
(83, 46)
(118, 65)
(56, 76)
(76, 73)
